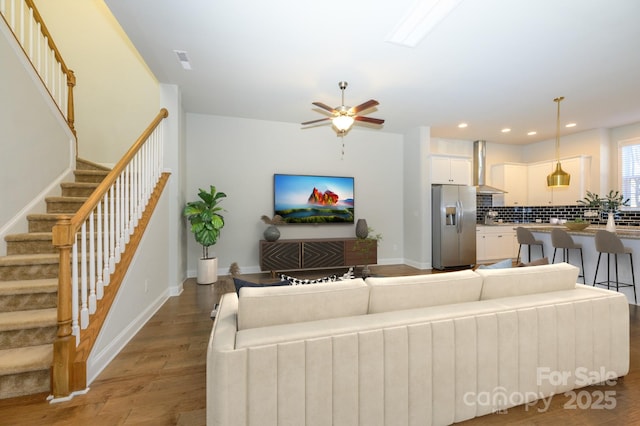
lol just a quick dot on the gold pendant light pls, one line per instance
(559, 178)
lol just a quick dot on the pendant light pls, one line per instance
(559, 178)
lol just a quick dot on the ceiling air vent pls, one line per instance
(184, 59)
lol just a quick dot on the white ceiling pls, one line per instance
(490, 63)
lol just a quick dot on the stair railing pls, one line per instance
(29, 30)
(91, 244)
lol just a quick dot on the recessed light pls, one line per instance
(505, 130)
(571, 125)
(462, 125)
(532, 133)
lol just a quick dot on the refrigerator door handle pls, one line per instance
(459, 217)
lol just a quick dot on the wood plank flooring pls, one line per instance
(159, 378)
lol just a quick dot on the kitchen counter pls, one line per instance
(624, 232)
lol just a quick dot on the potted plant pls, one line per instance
(206, 223)
(610, 204)
(365, 245)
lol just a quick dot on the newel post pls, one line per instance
(64, 347)
(71, 118)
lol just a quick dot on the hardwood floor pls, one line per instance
(159, 378)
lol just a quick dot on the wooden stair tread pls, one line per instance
(29, 259)
(49, 285)
(36, 318)
(22, 360)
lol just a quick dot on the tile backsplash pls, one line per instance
(528, 214)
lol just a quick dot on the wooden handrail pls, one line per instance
(68, 372)
(83, 213)
(46, 33)
(70, 76)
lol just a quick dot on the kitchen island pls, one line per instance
(630, 236)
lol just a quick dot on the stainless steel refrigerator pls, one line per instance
(453, 227)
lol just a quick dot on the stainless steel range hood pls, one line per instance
(480, 172)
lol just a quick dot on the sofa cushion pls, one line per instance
(520, 281)
(265, 306)
(419, 291)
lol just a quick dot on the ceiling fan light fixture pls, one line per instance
(559, 178)
(343, 122)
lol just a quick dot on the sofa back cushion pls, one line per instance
(521, 281)
(261, 307)
(420, 291)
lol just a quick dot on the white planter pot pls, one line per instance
(207, 271)
(611, 223)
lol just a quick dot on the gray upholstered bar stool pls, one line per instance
(609, 243)
(560, 239)
(526, 238)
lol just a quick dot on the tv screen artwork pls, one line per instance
(313, 199)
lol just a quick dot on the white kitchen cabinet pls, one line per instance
(495, 243)
(512, 178)
(450, 170)
(539, 194)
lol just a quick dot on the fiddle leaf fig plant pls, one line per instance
(205, 218)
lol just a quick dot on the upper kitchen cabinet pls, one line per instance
(512, 178)
(539, 194)
(450, 170)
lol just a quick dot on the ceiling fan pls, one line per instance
(343, 116)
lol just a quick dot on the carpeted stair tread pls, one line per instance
(84, 164)
(31, 358)
(29, 236)
(59, 199)
(49, 285)
(28, 319)
(29, 259)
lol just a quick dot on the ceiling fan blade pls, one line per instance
(324, 106)
(368, 119)
(315, 121)
(364, 106)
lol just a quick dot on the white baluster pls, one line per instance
(31, 34)
(84, 311)
(75, 307)
(92, 267)
(112, 231)
(106, 277)
(118, 231)
(22, 13)
(99, 283)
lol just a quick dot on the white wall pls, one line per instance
(37, 148)
(116, 95)
(417, 199)
(240, 156)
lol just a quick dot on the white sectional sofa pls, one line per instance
(414, 350)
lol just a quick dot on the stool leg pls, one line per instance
(615, 256)
(595, 277)
(542, 248)
(584, 280)
(529, 252)
(609, 270)
(554, 255)
(633, 279)
(518, 256)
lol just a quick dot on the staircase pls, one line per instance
(28, 290)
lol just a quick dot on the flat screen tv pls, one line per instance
(313, 199)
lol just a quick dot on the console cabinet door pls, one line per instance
(322, 254)
(275, 256)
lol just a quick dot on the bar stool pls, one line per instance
(609, 243)
(560, 239)
(526, 238)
